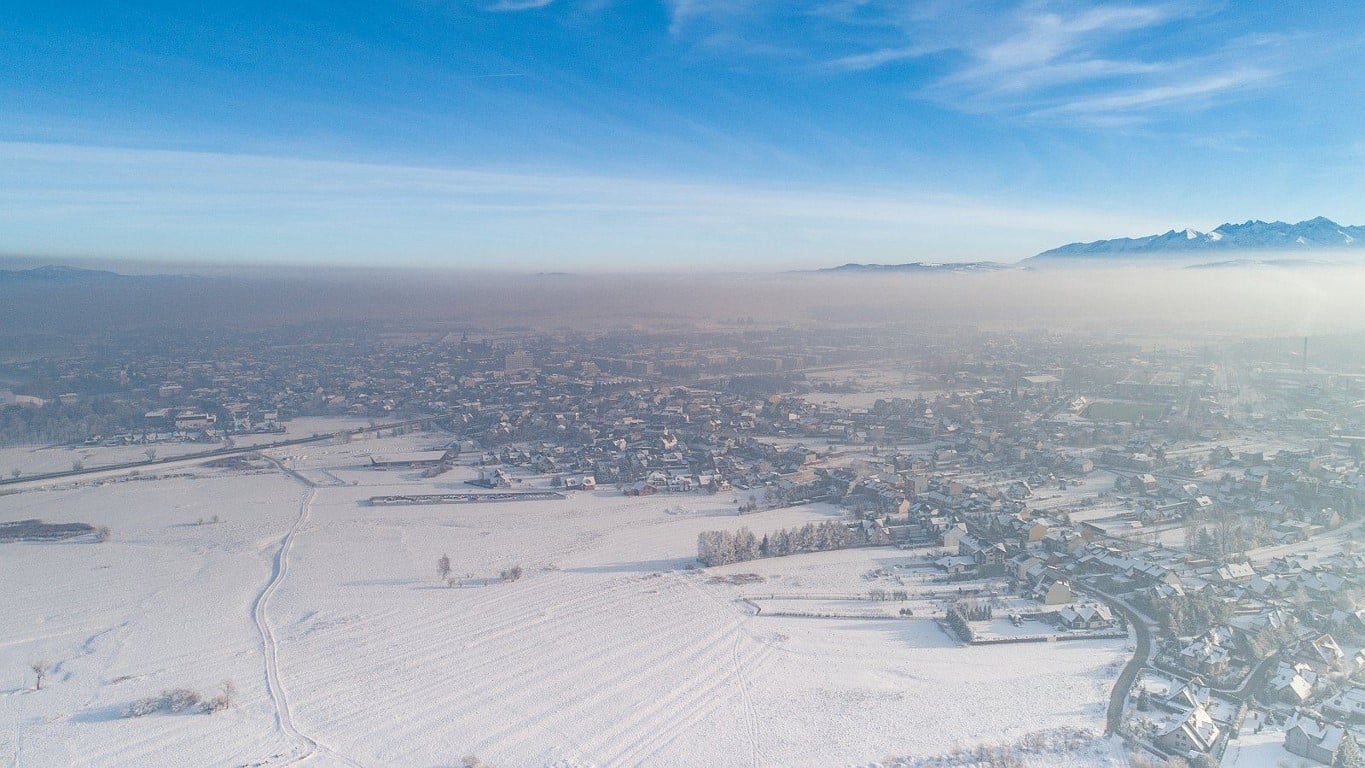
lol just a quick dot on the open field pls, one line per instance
(34, 460)
(346, 648)
(1118, 410)
(868, 384)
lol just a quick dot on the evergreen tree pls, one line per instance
(745, 545)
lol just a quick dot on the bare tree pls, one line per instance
(40, 670)
(443, 566)
(511, 574)
(150, 453)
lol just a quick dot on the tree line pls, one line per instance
(60, 423)
(723, 547)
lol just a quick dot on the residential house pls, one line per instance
(1193, 731)
(1088, 616)
(1205, 657)
(1347, 705)
(1293, 683)
(952, 538)
(1052, 590)
(1314, 739)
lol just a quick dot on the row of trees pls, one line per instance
(60, 423)
(722, 547)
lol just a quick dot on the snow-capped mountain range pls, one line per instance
(1314, 234)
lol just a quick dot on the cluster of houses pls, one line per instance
(1276, 636)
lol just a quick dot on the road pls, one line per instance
(1118, 697)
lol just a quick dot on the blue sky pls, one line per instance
(678, 134)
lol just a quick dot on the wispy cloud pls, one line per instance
(684, 13)
(1075, 60)
(517, 5)
(1138, 99)
(1050, 47)
(858, 62)
(1077, 64)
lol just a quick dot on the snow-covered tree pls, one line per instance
(1348, 754)
(746, 545)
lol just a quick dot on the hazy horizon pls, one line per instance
(1173, 303)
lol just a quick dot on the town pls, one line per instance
(1198, 501)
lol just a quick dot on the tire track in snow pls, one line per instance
(512, 671)
(746, 699)
(750, 722)
(614, 672)
(17, 751)
(437, 639)
(624, 734)
(694, 695)
(678, 713)
(311, 747)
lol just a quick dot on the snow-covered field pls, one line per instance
(37, 459)
(346, 648)
(33, 460)
(164, 604)
(867, 385)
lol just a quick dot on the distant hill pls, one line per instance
(59, 275)
(56, 274)
(919, 266)
(1320, 234)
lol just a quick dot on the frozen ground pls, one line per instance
(346, 649)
